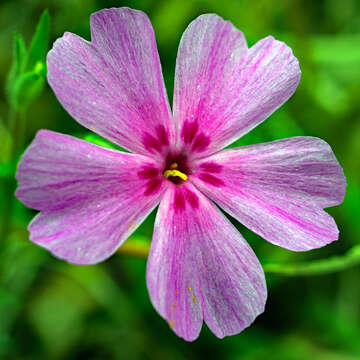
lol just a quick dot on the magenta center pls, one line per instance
(179, 163)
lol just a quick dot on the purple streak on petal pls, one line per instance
(190, 136)
(151, 143)
(211, 167)
(113, 85)
(189, 131)
(227, 87)
(153, 187)
(162, 135)
(200, 268)
(148, 173)
(179, 201)
(91, 198)
(279, 190)
(211, 179)
(191, 198)
(184, 197)
(200, 143)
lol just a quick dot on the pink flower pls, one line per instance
(92, 198)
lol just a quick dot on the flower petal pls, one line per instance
(223, 89)
(91, 198)
(113, 85)
(200, 268)
(278, 189)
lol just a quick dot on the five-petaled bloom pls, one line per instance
(92, 198)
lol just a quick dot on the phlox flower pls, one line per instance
(91, 198)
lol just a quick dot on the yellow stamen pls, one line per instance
(168, 173)
(173, 172)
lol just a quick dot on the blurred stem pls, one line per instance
(348, 296)
(16, 125)
(11, 120)
(317, 267)
(332, 264)
(17, 122)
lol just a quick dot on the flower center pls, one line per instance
(173, 172)
(176, 168)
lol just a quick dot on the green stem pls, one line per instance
(16, 124)
(18, 132)
(317, 267)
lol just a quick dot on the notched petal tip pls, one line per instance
(113, 85)
(286, 54)
(279, 190)
(123, 10)
(201, 269)
(91, 198)
(101, 19)
(227, 87)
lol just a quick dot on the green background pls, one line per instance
(53, 310)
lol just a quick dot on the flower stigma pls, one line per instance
(173, 172)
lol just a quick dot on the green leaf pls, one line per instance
(136, 245)
(317, 267)
(28, 87)
(40, 42)
(27, 74)
(98, 140)
(18, 64)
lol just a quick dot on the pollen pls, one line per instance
(173, 172)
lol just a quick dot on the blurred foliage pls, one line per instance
(53, 310)
(27, 74)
